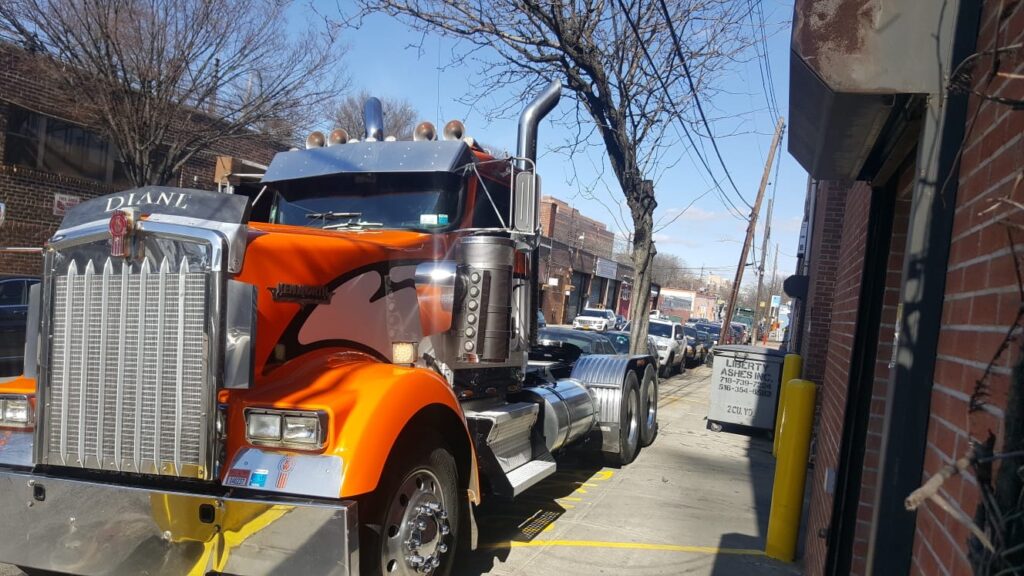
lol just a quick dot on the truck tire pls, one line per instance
(649, 407)
(666, 370)
(630, 423)
(418, 500)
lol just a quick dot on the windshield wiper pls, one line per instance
(329, 215)
(350, 224)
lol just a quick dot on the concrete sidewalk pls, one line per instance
(695, 502)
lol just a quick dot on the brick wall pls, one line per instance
(982, 297)
(29, 193)
(824, 253)
(564, 223)
(835, 381)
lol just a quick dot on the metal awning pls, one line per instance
(849, 60)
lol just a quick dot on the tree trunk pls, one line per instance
(642, 209)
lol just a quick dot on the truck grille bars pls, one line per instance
(127, 373)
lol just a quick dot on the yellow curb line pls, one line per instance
(637, 546)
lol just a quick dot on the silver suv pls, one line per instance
(671, 343)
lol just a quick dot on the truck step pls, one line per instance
(529, 474)
(508, 432)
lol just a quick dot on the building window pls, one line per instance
(56, 146)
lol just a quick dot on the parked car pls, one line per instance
(671, 345)
(620, 322)
(709, 345)
(587, 342)
(620, 340)
(696, 352)
(13, 316)
(594, 319)
(713, 329)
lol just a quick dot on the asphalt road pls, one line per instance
(695, 502)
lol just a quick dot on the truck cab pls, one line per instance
(327, 377)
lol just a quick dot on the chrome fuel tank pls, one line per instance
(567, 411)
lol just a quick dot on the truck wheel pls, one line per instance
(649, 407)
(413, 518)
(629, 423)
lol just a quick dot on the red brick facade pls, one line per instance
(982, 296)
(852, 213)
(981, 302)
(30, 193)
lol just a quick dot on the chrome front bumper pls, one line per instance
(91, 528)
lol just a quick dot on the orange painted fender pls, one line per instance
(368, 403)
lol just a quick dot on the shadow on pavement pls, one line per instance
(502, 522)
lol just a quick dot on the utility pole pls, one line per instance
(758, 314)
(772, 287)
(726, 334)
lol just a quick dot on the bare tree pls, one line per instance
(622, 69)
(399, 116)
(166, 79)
(670, 271)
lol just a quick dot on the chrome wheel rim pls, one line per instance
(416, 529)
(652, 404)
(633, 417)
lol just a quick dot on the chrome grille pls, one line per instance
(127, 374)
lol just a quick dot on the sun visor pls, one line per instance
(367, 157)
(167, 200)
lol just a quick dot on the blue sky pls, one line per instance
(382, 59)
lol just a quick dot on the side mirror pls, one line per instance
(526, 203)
(435, 292)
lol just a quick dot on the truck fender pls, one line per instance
(604, 376)
(369, 405)
(414, 398)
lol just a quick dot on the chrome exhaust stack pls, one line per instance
(373, 120)
(526, 147)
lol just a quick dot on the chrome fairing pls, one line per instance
(93, 528)
(133, 354)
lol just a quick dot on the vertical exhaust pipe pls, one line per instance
(526, 151)
(529, 120)
(373, 120)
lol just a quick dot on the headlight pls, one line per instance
(264, 426)
(286, 428)
(15, 411)
(302, 429)
(662, 346)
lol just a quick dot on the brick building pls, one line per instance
(577, 269)
(49, 158)
(906, 283)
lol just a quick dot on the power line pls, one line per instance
(696, 99)
(767, 58)
(763, 66)
(722, 195)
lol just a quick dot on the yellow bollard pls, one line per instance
(791, 368)
(790, 469)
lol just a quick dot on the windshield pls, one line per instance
(417, 201)
(658, 329)
(690, 331)
(595, 313)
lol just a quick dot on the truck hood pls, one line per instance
(351, 290)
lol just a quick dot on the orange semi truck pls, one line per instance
(325, 378)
